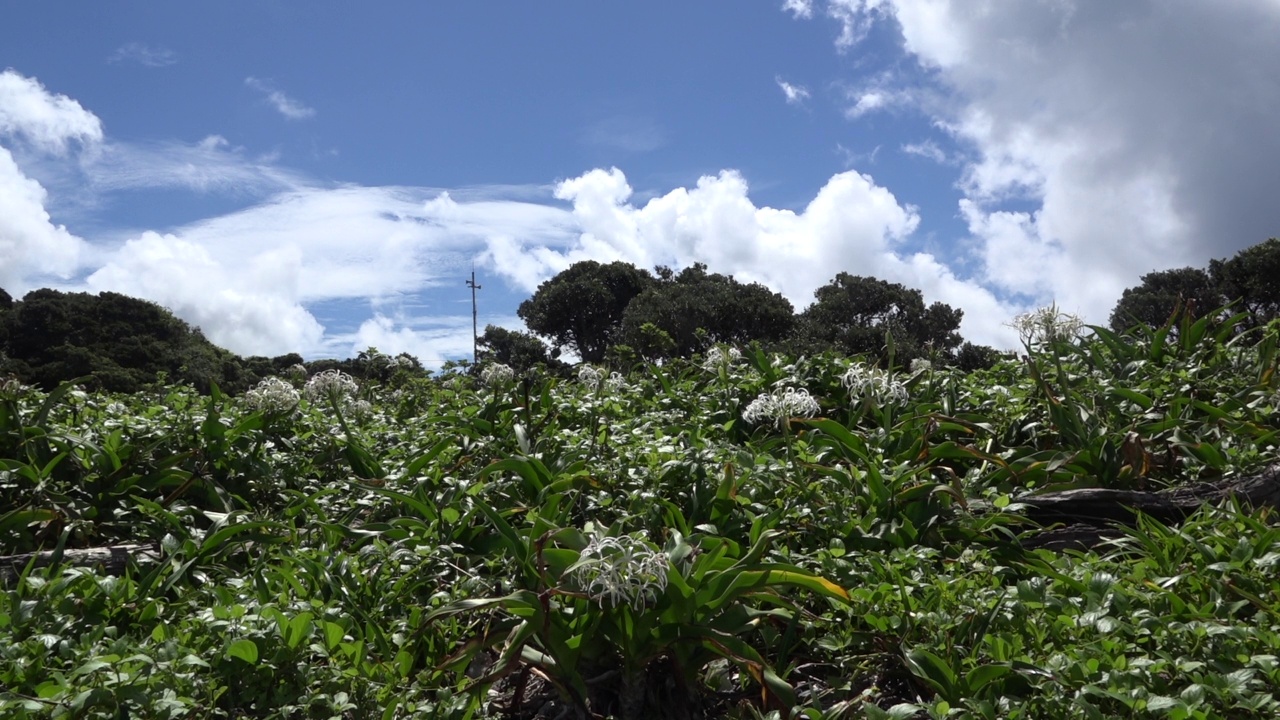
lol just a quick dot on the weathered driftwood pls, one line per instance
(1093, 515)
(112, 560)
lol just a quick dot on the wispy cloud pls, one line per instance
(285, 105)
(211, 165)
(636, 134)
(929, 150)
(143, 54)
(799, 8)
(795, 94)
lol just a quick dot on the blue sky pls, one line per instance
(320, 177)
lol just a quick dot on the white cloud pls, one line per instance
(1142, 133)
(432, 340)
(50, 122)
(927, 149)
(251, 307)
(31, 245)
(799, 8)
(285, 105)
(211, 165)
(144, 54)
(795, 94)
(852, 224)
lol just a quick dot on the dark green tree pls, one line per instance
(695, 309)
(520, 350)
(120, 343)
(1185, 290)
(581, 308)
(1252, 278)
(854, 314)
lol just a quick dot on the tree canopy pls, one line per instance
(1250, 280)
(854, 314)
(695, 308)
(582, 307)
(520, 350)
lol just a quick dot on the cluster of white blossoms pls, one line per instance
(717, 358)
(879, 385)
(1046, 325)
(497, 375)
(331, 383)
(272, 396)
(296, 372)
(594, 379)
(623, 569)
(920, 365)
(589, 376)
(780, 405)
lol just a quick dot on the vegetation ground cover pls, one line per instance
(738, 535)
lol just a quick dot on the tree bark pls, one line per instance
(1090, 516)
(112, 559)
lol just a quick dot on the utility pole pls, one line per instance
(475, 346)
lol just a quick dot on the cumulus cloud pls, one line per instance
(432, 340)
(285, 105)
(251, 307)
(851, 224)
(1141, 133)
(144, 54)
(48, 121)
(31, 245)
(795, 94)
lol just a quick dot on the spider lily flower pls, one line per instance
(717, 358)
(780, 405)
(272, 396)
(1046, 325)
(497, 375)
(589, 376)
(330, 381)
(880, 385)
(617, 570)
(920, 365)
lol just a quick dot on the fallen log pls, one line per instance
(1088, 517)
(111, 560)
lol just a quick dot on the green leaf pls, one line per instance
(244, 649)
(933, 670)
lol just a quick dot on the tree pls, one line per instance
(520, 350)
(1252, 277)
(696, 308)
(1162, 293)
(581, 308)
(853, 314)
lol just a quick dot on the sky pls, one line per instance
(322, 178)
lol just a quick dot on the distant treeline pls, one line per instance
(614, 313)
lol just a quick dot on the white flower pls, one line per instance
(497, 375)
(920, 365)
(780, 405)
(717, 358)
(622, 569)
(1046, 325)
(615, 383)
(296, 372)
(866, 381)
(589, 376)
(331, 383)
(272, 396)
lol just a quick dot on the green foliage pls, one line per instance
(641, 545)
(856, 315)
(1164, 294)
(582, 307)
(1252, 278)
(113, 342)
(695, 309)
(1248, 282)
(518, 350)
